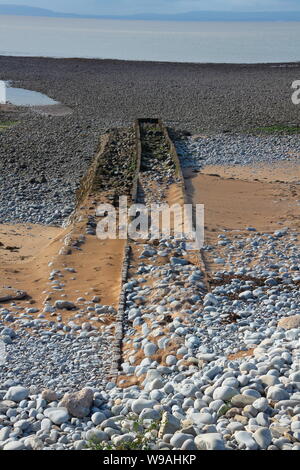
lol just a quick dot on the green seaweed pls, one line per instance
(278, 129)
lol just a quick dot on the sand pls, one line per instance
(235, 201)
(26, 267)
(284, 172)
(97, 265)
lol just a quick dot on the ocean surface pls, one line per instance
(150, 40)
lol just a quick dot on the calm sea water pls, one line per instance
(150, 40)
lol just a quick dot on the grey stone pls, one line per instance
(98, 418)
(241, 401)
(169, 424)
(17, 393)
(80, 444)
(205, 418)
(261, 404)
(189, 445)
(210, 441)
(150, 349)
(117, 440)
(224, 393)
(149, 414)
(64, 305)
(14, 445)
(277, 394)
(269, 380)
(179, 261)
(245, 439)
(96, 436)
(178, 439)
(4, 433)
(141, 403)
(263, 437)
(57, 415)
(34, 443)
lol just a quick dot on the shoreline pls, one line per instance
(129, 61)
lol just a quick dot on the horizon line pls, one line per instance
(208, 15)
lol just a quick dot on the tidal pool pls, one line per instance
(23, 97)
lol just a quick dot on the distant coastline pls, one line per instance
(204, 16)
(112, 60)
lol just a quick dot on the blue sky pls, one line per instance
(98, 7)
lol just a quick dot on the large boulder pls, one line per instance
(289, 323)
(79, 403)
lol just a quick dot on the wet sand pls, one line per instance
(283, 172)
(97, 265)
(235, 200)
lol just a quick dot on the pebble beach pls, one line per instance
(210, 348)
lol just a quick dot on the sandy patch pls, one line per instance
(25, 254)
(287, 172)
(240, 354)
(98, 271)
(234, 204)
(175, 195)
(27, 250)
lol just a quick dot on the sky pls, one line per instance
(123, 7)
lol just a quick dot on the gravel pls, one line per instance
(46, 356)
(213, 365)
(42, 158)
(237, 149)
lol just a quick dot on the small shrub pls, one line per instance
(141, 441)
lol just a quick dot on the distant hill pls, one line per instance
(20, 10)
(189, 16)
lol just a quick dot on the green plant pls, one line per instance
(132, 166)
(278, 129)
(7, 124)
(141, 441)
(224, 408)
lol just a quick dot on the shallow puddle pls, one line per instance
(23, 97)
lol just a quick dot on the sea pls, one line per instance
(201, 42)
